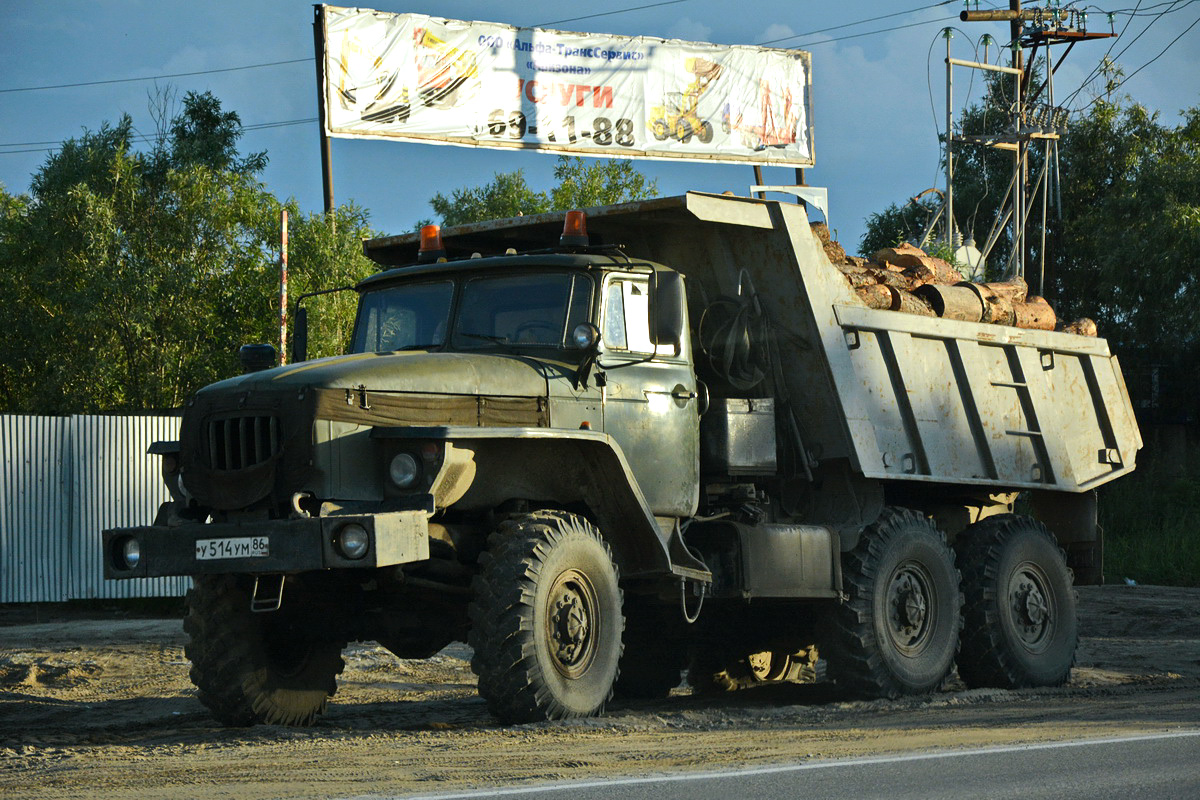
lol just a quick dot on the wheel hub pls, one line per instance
(571, 623)
(909, 614)
(1031, 609)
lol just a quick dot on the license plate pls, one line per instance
(240, 547)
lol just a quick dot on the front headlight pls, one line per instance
(352, 541)
(131, 552)
(404, 470)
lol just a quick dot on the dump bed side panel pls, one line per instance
(941, 400)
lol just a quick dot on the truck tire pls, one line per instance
(249, 667)
(655, 654)
(898, 631)
(546, 619)
(1020, 628)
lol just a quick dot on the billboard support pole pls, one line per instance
(326, 149)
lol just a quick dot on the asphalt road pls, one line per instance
(1160, 766)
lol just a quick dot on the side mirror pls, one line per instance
(300, 336)
(257, 357)
(666, 309)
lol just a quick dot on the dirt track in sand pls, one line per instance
(102, 708)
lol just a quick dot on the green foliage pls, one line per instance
(580, 185)
(1150, 529)
(506, 195)
(598, 183)
(203, 135)
(319, 259)
(896, 224)
(130, 279)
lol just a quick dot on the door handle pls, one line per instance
(679, 393)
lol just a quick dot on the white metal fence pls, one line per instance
(64, 480)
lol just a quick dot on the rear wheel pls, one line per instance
(706, 133)
(898, 631)
(660, 129)
(250, 667)
(546, 619)
(1020, 627)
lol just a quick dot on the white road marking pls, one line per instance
(783, 768)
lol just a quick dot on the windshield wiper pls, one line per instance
(428, 346)
(487, 337)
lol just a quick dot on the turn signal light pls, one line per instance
(431, 244)
(574, 230)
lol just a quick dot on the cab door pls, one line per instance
(650, 402)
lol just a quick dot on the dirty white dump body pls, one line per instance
(903, 397)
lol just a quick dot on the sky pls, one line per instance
(878, 87)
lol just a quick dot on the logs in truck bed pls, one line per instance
(906, 279)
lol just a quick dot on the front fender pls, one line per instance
(566, 467)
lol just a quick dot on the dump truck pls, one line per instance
(606, 447)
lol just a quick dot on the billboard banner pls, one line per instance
(442, 81)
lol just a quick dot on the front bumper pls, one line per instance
(292, 545)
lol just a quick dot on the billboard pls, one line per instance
(419, 78)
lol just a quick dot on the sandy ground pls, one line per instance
(102, 708)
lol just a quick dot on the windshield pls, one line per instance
(524, 309)
(531, 309)
(403, 317)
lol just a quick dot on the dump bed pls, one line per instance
(901, 396)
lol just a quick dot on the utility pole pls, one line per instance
(1033, 27)
(283, 287)
(326, 149)
(1016, 29)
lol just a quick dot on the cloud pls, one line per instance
(776, 31)
(689, 30)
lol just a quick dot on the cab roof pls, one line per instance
(610, 259)
(607, 226)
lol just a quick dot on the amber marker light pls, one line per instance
(431, 243)
(574, 230)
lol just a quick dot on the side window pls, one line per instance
(627, 316)
(614, 317)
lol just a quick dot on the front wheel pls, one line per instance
(250, 667)
(1020, 628)
(546, 620)
(898, 631)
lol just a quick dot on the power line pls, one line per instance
(153, 77)
(289, 61)
(144, 138)
(859, 22)
(1173, 5)
(872, 33)
(1148, 63)
(610, 13)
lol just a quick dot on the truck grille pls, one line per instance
(241, 442)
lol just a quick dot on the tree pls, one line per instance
(131, 278)
(580, 185)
